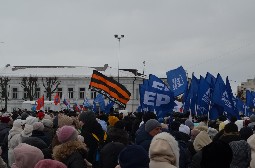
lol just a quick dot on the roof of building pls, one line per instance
(62, 71)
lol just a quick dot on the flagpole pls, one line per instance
(118, 37)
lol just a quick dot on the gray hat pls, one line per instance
(252, 118)
(189, 123)
(151, 124)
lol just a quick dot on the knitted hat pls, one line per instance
(38, 126)
(5, 119)
(35, 141)
(27, 132)
(185, 129)
(31, 120)
(24, 115)
(66, 133)
(50, 163)
(26, 155)
(47, 123)
(112, 120)
(87, 117)
(151, 124)
(134, 156)
(252, 118)
(241, 153)
(64, 120)
(40, 115)
(189, 123)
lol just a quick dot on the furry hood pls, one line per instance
(251, 142)
(63, 151)
(164, 148)
(201, 140)
(14, 131)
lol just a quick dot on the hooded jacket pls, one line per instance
(164, 151)
(251, 142)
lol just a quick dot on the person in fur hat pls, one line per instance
(14, 138)
(164, 151)
(50, 163)
(71, 151)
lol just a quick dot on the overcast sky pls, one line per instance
(203, 36)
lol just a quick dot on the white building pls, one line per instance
(74, 83)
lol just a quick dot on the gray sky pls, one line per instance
(203, 36)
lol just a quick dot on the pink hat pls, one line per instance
(26, 155)
(66, 133)
(50, 163)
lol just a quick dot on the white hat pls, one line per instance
(185, 129)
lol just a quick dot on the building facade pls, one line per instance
(248, 85)
(74, 84)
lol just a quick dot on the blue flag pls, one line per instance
(210, 79)
(86, 103)
(232, 111)
(108, 107)
(156, 96)
(203, 97)
(240, 106)
(222, 97)
(192, 95)
(99, 104)
(177, 80)
(250, 98)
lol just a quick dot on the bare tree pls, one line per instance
(29, 85)
(4, 89)
(51, 85)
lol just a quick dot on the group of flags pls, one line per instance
(98, 104)
(207, 95)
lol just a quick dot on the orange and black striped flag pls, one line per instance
(110, 88)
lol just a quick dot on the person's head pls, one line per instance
(87, 117)
(189, 123)
(216, 154)
(164, 145)
(149, 115)
(134, 156)
(26, 155)
(230, 129)
(50, 163)
(153, 127)
(67, 133)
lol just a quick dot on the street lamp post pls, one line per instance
(118, 37)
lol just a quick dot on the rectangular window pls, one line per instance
(137, 94)
(93, 95)
(82, 93)
(60, 92)
(14, 93)
(37, 93)
(70, 93)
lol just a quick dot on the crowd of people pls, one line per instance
(69, 139)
